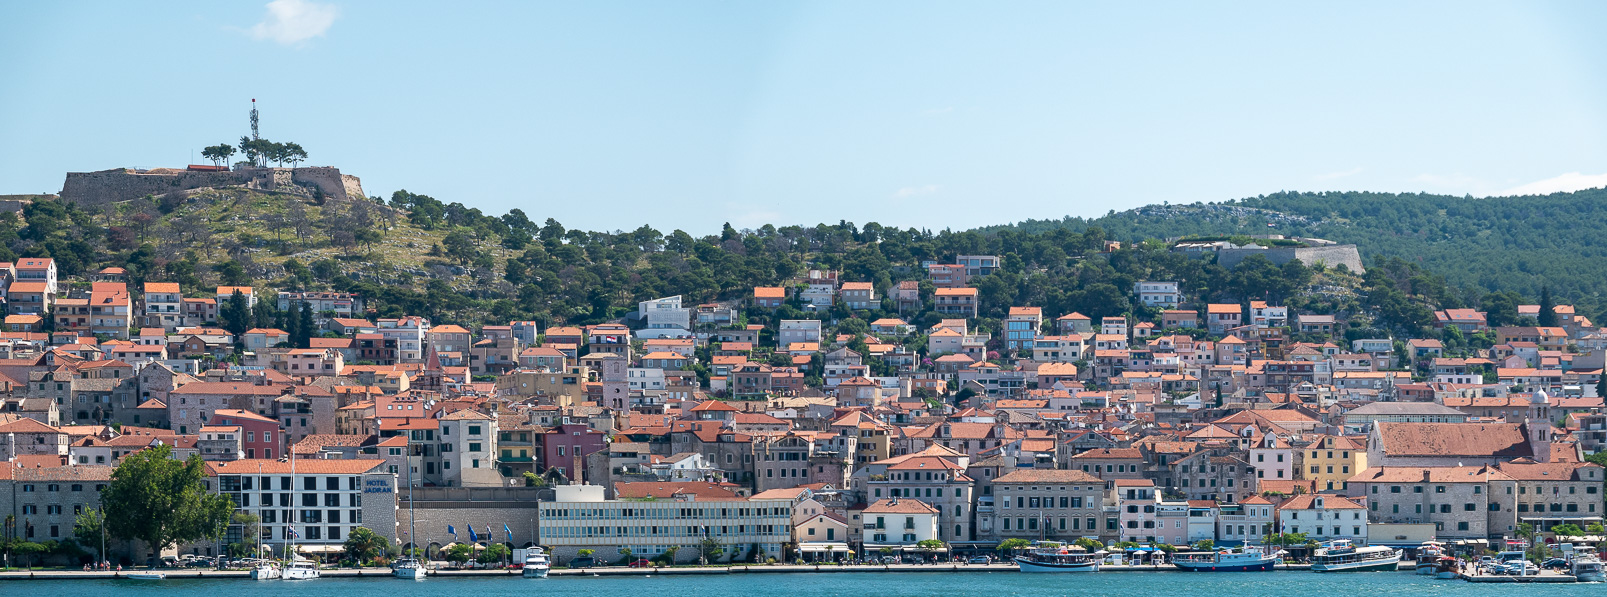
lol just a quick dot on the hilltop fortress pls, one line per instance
(123, 184)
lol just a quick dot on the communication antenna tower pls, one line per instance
(254, 120)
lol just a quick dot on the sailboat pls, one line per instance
(409, 567)
(299, 568)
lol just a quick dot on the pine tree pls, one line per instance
(1548, 309)
(1601, 385)
(305, 324)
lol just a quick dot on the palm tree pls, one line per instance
(363, 544)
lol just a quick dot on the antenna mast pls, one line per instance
(254, 135)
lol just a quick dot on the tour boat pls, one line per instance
(1341, 556)
(1428, 558)
(1447, 568)
(408, 568)
(266, 570)
(301, 570)
(536, 563)
(1059, 559)
(146, 576)
(1251, 559)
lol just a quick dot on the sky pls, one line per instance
(690, 114)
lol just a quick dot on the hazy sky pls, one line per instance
(687, 114)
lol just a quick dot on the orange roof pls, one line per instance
(161, 287)
(956, 292)
(769, 292)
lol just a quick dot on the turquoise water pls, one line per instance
(970, 584)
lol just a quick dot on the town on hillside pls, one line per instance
(722, 432)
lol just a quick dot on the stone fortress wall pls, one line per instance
(123, 184)
(1329, 255)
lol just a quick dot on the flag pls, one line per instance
(453, 532)
(488, 535)
(290, 531)
(508, 532)
(473, 537)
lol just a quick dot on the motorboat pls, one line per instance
(266, 570)
(301, 570)
(1587, 569)
(536, 563)
(1054, 558)
(1342, 556)
(408, 568)
(1428, 557)
(1249, 560)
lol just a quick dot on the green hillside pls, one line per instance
(1518, 244)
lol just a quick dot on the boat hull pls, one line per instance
(1591, 577)
(408, 573)
(1026, 565)
(264, 573)
(1261, 566)
(1388, 565)
(530, 572)
(1427, 569)
(153, 576)
(1445, 574)
(300, 574)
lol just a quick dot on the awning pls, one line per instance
(321, 548)
(913, 548)
(823, 547)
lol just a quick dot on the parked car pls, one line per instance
(641, 563)
(1555, 563)
(979, 560)
(583, 562)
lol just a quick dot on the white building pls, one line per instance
(1324, 517)
(798, 330)
(645, 378)
(683, 516)
(468, 450)
(1158, 294)
(324, 499)
(898, 523)
(665, 313)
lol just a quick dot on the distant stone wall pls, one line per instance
(462, 507)
(110, 186)
(1331, 256)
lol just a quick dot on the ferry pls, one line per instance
(408, 568)
(1583, 563)
(1428, 556)
(536, 563)
(1341, 556)
(1054, 558)
(1250, 560)
(301, 570)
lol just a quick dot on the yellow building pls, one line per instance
(1332, 460)
(875, 437)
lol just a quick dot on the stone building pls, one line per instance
(1032, 504)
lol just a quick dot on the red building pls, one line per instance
(562, 444)
(259, 435)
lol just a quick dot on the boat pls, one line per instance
(1447, 568)
(1055, 558)
(1428, 557)
(536, 563)
(1587, 569)
(408, 568)
(265, 570)
(145, 576)
(1251, 559)
(1342, 556)
(301, 570)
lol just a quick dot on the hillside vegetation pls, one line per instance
(1496, 244)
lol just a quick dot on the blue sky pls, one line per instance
(932, 114)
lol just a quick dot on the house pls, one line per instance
(38, 269)
(1158, 294)
(335, 304)
(956, 301)
(978, 265)
(907, 295)
(664, 313)
(898, 523)
(1178, 318)
(798, 330)
(1316, 324)
(860, 295)
(256, 339)
(29, 297)
(1035, 504)
(1021, 328)
(1324, 518)
(1074, 323)
(259, 435)
(769, 297)
(1466, 320)
(226, 293)
(1266, 315)
(1219, 317)
(164, 306)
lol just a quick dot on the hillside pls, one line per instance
(413, 254)
(1518, 244)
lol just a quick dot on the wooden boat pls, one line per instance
(1054, 558)
(1342, 556)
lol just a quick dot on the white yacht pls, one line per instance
(1342, 556)
(265, 570)
(1247, 560)
(301, 570)
(408, 568)
(536, 563)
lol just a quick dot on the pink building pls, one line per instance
(259, 435)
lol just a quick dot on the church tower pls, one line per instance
(1538, 423)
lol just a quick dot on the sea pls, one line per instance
(873, 584)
